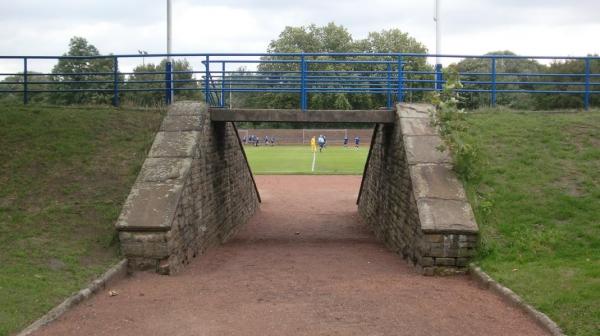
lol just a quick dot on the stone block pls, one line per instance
(434, 238)
(150, 207)
(149, 245)
(464, 252)
(417, 126)
(187, 108)
(436, 181)
(165, 169)
(426, 261)
(425, 149)
(446, 216)
(462, 262)
(410, 110)
(445, 261)
(175, 123)
(174, 144)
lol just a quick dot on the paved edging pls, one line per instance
(511, 297)
(116, 272)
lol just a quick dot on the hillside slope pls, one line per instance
(537, 202)
(64, 174)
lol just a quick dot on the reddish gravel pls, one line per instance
(304, 265)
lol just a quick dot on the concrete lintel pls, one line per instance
(294, 115)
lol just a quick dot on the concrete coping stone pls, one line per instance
(425, 149)
(174, 144)
(414, 110)
(446, 216)
(150, 207)
(417, 126)
(175, 123)
(186, 108)
(165, 169)
(436, 181)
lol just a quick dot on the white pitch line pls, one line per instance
(314, 159)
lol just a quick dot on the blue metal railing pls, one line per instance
(392, 76)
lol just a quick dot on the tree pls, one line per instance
(15, 83)
(91, 77)
(396, 41)
(572, 71)
(311, 38)
(151, 77)
(468, 67)
(333, 38)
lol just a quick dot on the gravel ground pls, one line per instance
(304, 265)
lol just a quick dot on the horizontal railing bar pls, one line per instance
(419, 55)
(310, 89)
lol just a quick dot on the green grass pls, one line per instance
(537, 203)
(64, 174)
(334, 159)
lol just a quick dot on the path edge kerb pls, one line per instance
(114, 273)
(487, 282)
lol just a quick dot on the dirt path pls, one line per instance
(304, 265)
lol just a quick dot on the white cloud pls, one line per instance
(126, 26)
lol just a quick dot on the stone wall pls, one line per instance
(194, 190)
(411, 198)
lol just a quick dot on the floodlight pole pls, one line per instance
(169, 70)
(438, 47)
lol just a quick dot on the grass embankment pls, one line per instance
(65, 173)
(537, 203)
(334, 159)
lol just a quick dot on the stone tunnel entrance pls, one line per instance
(196, 190)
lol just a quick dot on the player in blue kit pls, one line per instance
(321, 142)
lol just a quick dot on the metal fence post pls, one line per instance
(222, 100)
(206, 80)
(493, 100)
(439, 77)
(389, 85)
(400, 97)
(586, 97)
(168, 82)
(115, 82)
(303, 101)
(25, 82)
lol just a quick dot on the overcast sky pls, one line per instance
(527, 27)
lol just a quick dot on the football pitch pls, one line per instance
(334, 160)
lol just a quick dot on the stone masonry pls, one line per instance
(194, 190)
(411, 198)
